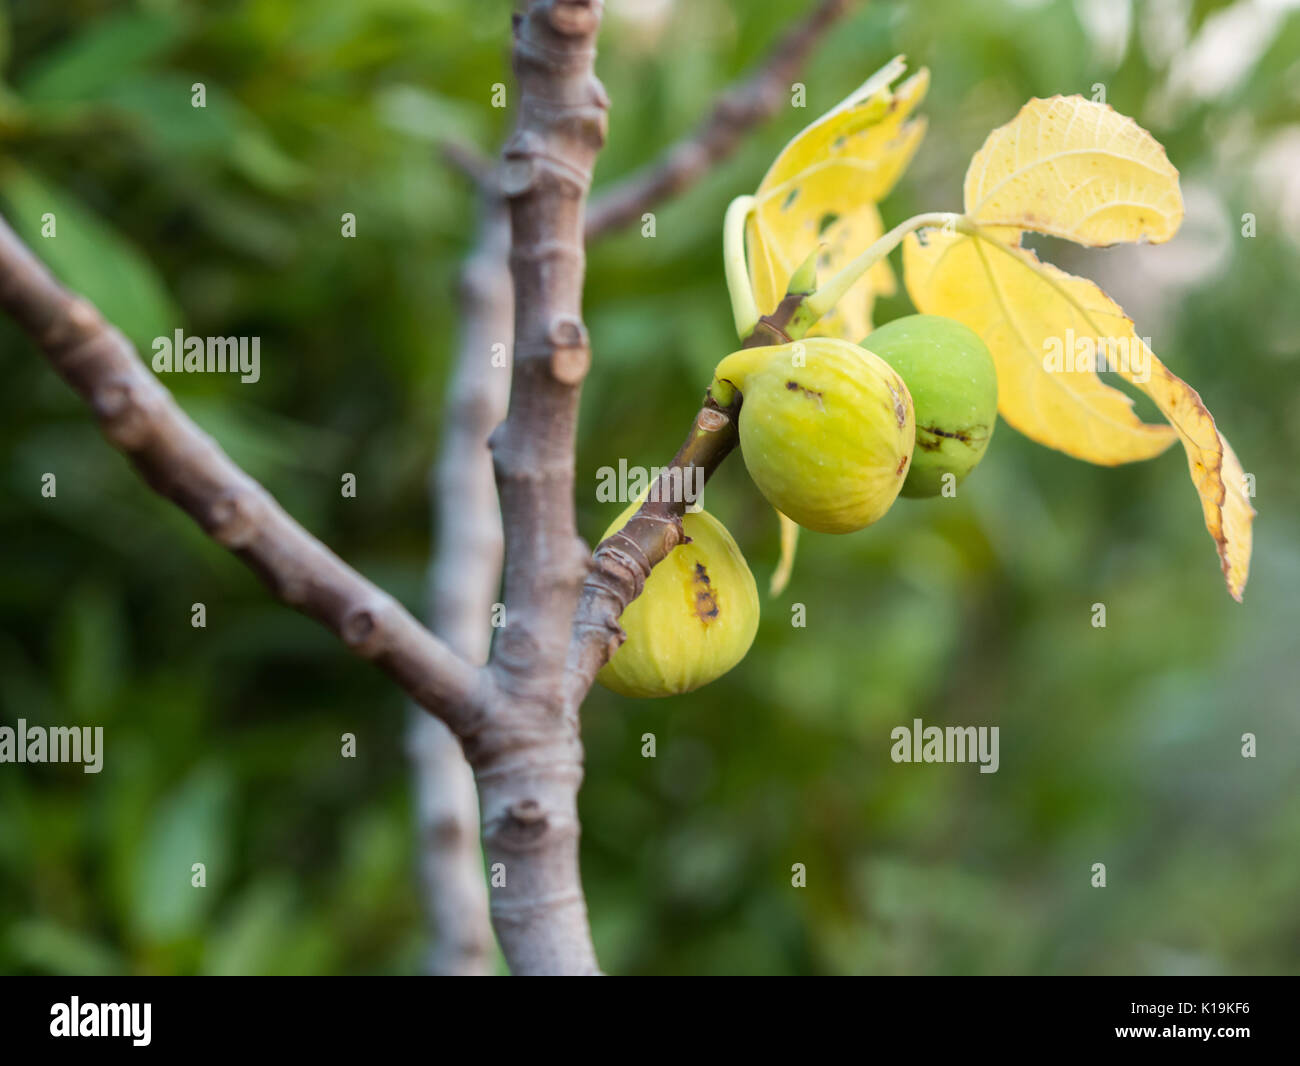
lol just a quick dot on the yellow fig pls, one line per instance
(826, 429)
(694, 620)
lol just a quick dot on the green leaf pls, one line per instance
(429, 116)
(89, 651)
(90, 257)
(192, 825)
(102, 54)
(261, 161)
(252, 937)
(159, 105)
(49, 948)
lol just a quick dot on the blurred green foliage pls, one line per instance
(1119, 745)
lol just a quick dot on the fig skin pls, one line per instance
(828, 443)
(954, 385)
(694, 620)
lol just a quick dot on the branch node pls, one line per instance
(615, 641)
(538, 251)
(232, 519)
(361, 627)
(566, 330)
(527, 812)
(571, 352)
(598, 94)
(574, 18)
(592, 123)
(123, 414)
(711, 420)
(518, 175)
(83, 316)
(82, 322)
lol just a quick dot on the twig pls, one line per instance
(181, 462)
(473, 164)
(622, 562)
(464, 577)
(735, 113)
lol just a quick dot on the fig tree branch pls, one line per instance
(464, 578)
(738, 110)
(181, 462)
(528, 763)
(623, 561)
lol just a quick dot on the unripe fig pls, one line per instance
(950, 374)
(694, 620)
(826, 429)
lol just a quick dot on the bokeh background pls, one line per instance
(1118, 745)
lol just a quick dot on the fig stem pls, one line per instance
(744, 307)
(730, 374)
(656, 527)
(826, 297)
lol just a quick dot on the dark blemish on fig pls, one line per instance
(706, 602)
(963, 437)
(902, 465)
(937, 436)
(812, 394)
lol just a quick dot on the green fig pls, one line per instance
(826, 429)
(950, 374)
(694, 620)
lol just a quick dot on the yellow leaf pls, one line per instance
(822, 190)
(1046, 330)
(1232, 531)
(850, 319)
(1026, 310)
(1075, 169)
(785, 564)
(1216, 471)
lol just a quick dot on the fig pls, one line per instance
(694, 620)
(954, 385)
(826, 429)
